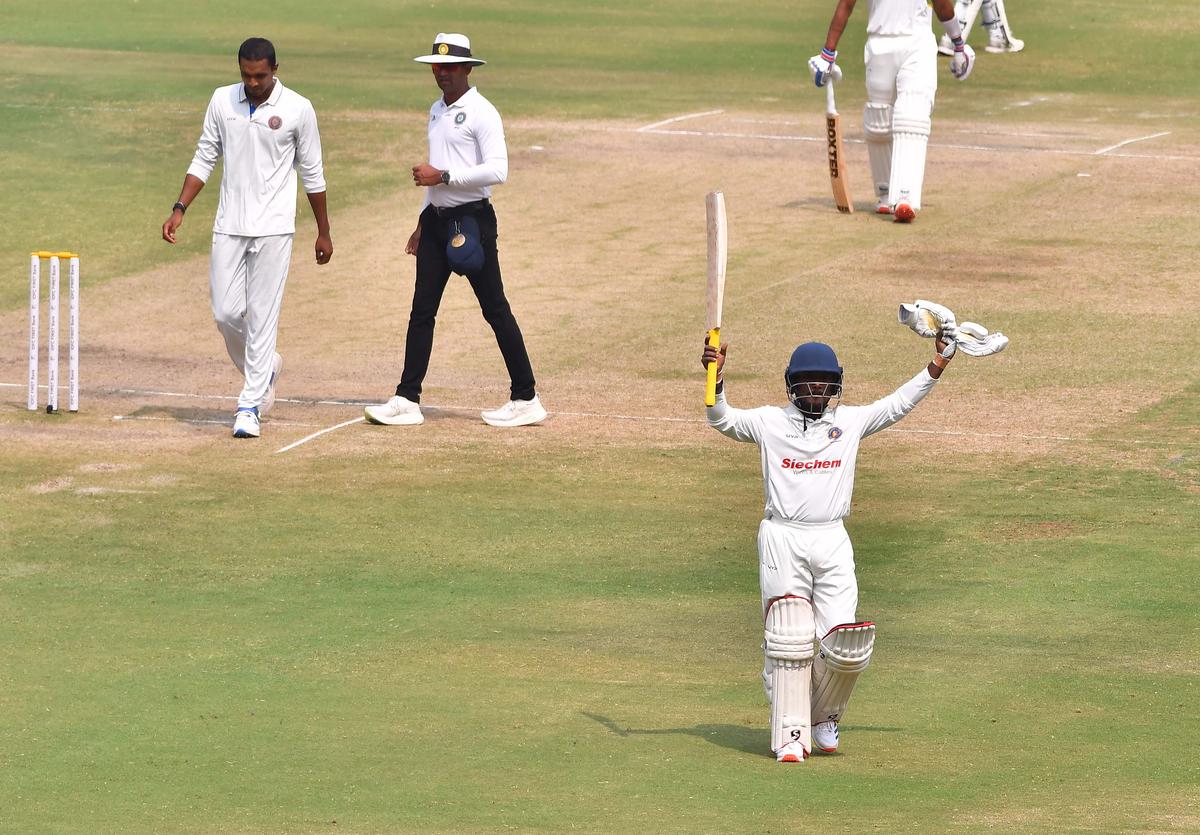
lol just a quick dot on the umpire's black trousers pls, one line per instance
(433, 272)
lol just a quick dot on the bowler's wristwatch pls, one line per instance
(182, 208)
(445, 178)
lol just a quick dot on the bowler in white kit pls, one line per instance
(267, 135)
(814, 647)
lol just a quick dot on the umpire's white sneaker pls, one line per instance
(793, 752)
(269, 400)
(825, 737)
(399, 411)
(516, 413)
(245, 423)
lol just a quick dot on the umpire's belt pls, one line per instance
(461, 209)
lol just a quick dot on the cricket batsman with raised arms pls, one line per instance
(815, 647)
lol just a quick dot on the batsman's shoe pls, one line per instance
(905, 213)
(269, 400)
(1005, 43)
(945, 46)
(516, 413)
(793, 752)
(399, 411)
(883, 209)
(245, 423)
(825, 737)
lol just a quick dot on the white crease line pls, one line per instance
(1130, 142)
(957, 146)
(674, 119)
(212, 421)
(318, 434)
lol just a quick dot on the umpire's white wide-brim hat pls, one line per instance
(450, 48)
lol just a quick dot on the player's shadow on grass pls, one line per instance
(749, 740)
(736, 737)
(182, 414)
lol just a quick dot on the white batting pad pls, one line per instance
(877, 125)
(791, 634)
(845, 652)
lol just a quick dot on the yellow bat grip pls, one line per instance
(710, 391)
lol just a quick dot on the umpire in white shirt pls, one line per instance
(266, 133)
(456, 232)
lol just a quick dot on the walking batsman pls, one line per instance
(995, 20)
(814, 648)
(456, 232)
(266, 134)
(901, 60)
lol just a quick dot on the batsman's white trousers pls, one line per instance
(245, 280)
(902, 74)
(815, 561)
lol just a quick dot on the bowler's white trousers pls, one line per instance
(245, 280)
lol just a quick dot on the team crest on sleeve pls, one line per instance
(834, 433)
(274, 123)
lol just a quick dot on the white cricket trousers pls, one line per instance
(902, 83)
(245, 280)
(815, 561)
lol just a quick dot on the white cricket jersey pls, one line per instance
(808, 473)
(898, 17)
(262, 151)
(467, 139)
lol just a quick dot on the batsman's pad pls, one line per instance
(845, 652)
(925, 318)
(877, 125)
(791, 634)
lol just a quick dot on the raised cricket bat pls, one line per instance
(718, 254)
(837, 153)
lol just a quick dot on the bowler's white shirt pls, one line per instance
(262, 151)
(898, 17)
(808, 473)
(467, 139)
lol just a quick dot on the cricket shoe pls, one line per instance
(269, 400)
(905, 213)
(516, 413)
(1005, 43)
(245, 423)
(883, 209)
(793, 752)
(825, 737)
(399, 411)
(945, 46)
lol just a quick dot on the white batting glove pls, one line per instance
(963, 60)
(824, 68)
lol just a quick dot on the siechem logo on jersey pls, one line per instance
(834, 433)
(796, 465)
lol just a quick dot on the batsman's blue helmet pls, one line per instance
(813, 356)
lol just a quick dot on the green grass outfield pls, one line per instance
(562, 634)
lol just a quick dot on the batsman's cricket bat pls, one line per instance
(837, 153)
(718, 253)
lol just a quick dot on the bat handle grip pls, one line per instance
(830, 107)
(710, 391)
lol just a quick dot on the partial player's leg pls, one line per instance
(267, 263)
(845, 653)
(790, 634)
(881, 71)
(916, 86)
(227, 293)
(1000, 36)
(965, 11)
(433, 271)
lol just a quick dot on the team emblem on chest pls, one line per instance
(834, 433)
(274, 123)
(460, 118)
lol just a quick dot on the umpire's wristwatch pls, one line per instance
(445, 178)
